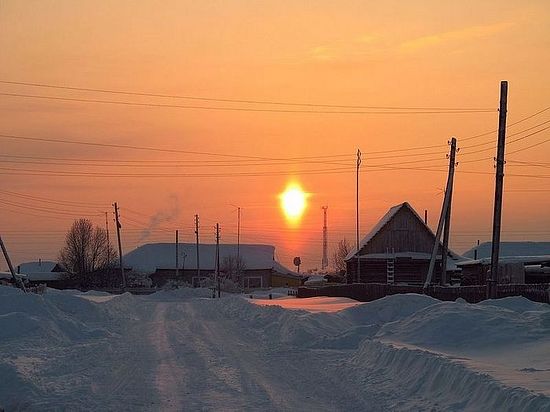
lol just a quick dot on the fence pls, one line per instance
(366, 292)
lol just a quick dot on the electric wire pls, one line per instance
(221, 100)
(244, 109)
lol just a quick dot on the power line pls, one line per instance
(178, 162)
(463, 139)
(145, 148)
(55, 201)
(246, 101)
(240, 109)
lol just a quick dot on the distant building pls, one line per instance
(44, 272)
(158, 260)
(519, 262)
(398, 250)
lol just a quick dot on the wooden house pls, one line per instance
(398, 250)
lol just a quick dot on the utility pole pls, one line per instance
(443, 216)
(475, 250)
(357, 216)
(497, 214)
(217, 279)
(238, 244)
(324, 261)
(426, 217)
(108, 242)
(177, 256)
(118, 226)
(16, 279)
(197, 238)
(447, 228)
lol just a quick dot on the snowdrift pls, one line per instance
(423, 377)
(462, 325)
(52, 317)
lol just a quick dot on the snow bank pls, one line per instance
(421, 378)
(52, 317)
(388, 309)
(456, 325)
(517, 304)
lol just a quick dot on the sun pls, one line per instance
(293, 202)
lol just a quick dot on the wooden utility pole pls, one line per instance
(177, 256)
(118, 226)
(324, 260)
(108, 242)
(357, 216)
(17, 280)
(217, 273)
(197, 239)
(497, 214)
(447, 228)
(238, 268)
(445, 214)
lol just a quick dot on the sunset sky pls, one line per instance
(410, 54)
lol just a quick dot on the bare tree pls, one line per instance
(340, 254)
(87, 250)
(233, 267)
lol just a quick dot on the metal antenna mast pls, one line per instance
(324, 262)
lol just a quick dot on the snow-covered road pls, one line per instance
(182, 352)
(205, 364)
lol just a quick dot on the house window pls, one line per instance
(253, 282)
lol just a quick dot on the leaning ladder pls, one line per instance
(390, 266)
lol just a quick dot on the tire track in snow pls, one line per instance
(169, 375)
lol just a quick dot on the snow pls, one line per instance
(39, 266)
(183, 350)
(149, 257)
(511, 249)
(381, 223)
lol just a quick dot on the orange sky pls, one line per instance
(392, 53)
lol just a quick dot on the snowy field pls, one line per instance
(183, 351)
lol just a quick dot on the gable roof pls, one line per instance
(390, 214)
(37, 267)
(150, 257)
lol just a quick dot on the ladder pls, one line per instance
(390, 266)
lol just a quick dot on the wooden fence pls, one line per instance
(366, 292)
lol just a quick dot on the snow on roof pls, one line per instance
(35, 267)
(533, 260)
(511, 249)
(153, 256)
(381, 223)
(385, 219)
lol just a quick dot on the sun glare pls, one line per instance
(293, 202)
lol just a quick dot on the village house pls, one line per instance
(519, 263)
(398, 250)
(258, 267)
(44, 272)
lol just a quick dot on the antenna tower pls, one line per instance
(324, 262)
